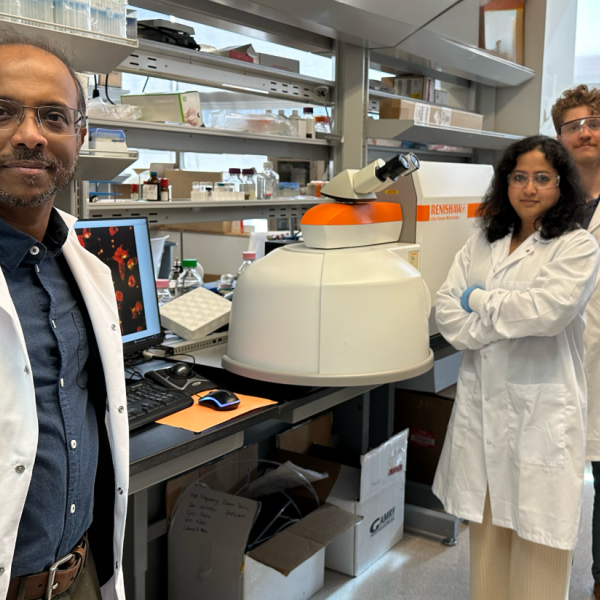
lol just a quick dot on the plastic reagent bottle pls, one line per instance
(259, 185)
(249, 258)
(310, 122)
(189, 279)
(299, 123)
(163, 292)
(271, 181)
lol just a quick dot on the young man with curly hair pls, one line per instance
(576, 116)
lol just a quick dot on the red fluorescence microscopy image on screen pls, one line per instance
(115, 247)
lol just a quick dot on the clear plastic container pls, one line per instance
(163, 291)
(249, 258)
(189, 279)
(288, 189)
(72, 13)
(40, 10)
(11, 7)
(322, 124)
(271, 181)
(131, 21)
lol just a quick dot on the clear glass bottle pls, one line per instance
(163, 292)
(189, 279)
(310, 122)
(248, 184)
(151, 188)
(248, 259)
(271, 181)
(234, 179)
(259, 185)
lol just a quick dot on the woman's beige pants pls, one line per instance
(507, 567)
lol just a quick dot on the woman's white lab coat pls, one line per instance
(18, 417)
(591, 359)
(519, 420)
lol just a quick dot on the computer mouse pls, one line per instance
(181, 370)
(220, 400)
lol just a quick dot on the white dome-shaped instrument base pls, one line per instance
(352, 316)
(317, 380)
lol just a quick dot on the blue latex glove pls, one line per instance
(464, 299)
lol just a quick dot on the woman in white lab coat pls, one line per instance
(513, 302)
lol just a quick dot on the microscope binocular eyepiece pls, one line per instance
(399, 166)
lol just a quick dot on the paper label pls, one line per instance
(413, 259)
(422, 113)
(149, 191)
(446, 116)
(419, 437)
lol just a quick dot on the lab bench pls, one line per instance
(160, 452)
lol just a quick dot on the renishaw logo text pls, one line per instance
(447, 209)
(380, 522)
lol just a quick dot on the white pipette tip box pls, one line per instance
(195, 314)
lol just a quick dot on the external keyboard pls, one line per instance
(147, 402)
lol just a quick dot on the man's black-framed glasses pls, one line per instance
(54, 120)
(575, 126)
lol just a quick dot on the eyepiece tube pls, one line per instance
(393, 168)
(414, 164)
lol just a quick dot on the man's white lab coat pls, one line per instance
(519, 419)
(18, 417)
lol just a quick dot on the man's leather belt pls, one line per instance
(56, 580)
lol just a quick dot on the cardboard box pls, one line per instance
(399, 108)
(375, 491)
(418, 87)
(181, 181)
(427, 417)
(278, 62)
(207, 549)
(176, 107)
(114, 79)
(245, 53)
(227, 474)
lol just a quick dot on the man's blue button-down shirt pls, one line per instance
(58, 508)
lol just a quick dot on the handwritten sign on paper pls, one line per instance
(207, 542)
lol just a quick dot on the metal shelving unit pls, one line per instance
(433, 134)
(100, 54)
(183, 138)
(453, 58)
(185, 211)
(203, 68)
(375, 151)
(95, 165)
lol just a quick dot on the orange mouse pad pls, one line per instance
(197, 418)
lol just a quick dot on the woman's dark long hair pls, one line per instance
(498, 216)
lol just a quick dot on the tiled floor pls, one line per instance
(419, 568)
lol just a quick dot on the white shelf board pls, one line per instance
(183, 138)
(185, 211)
(96, 165)
(204, 68)
(456, 58)
(410, 131)
(90, 54)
